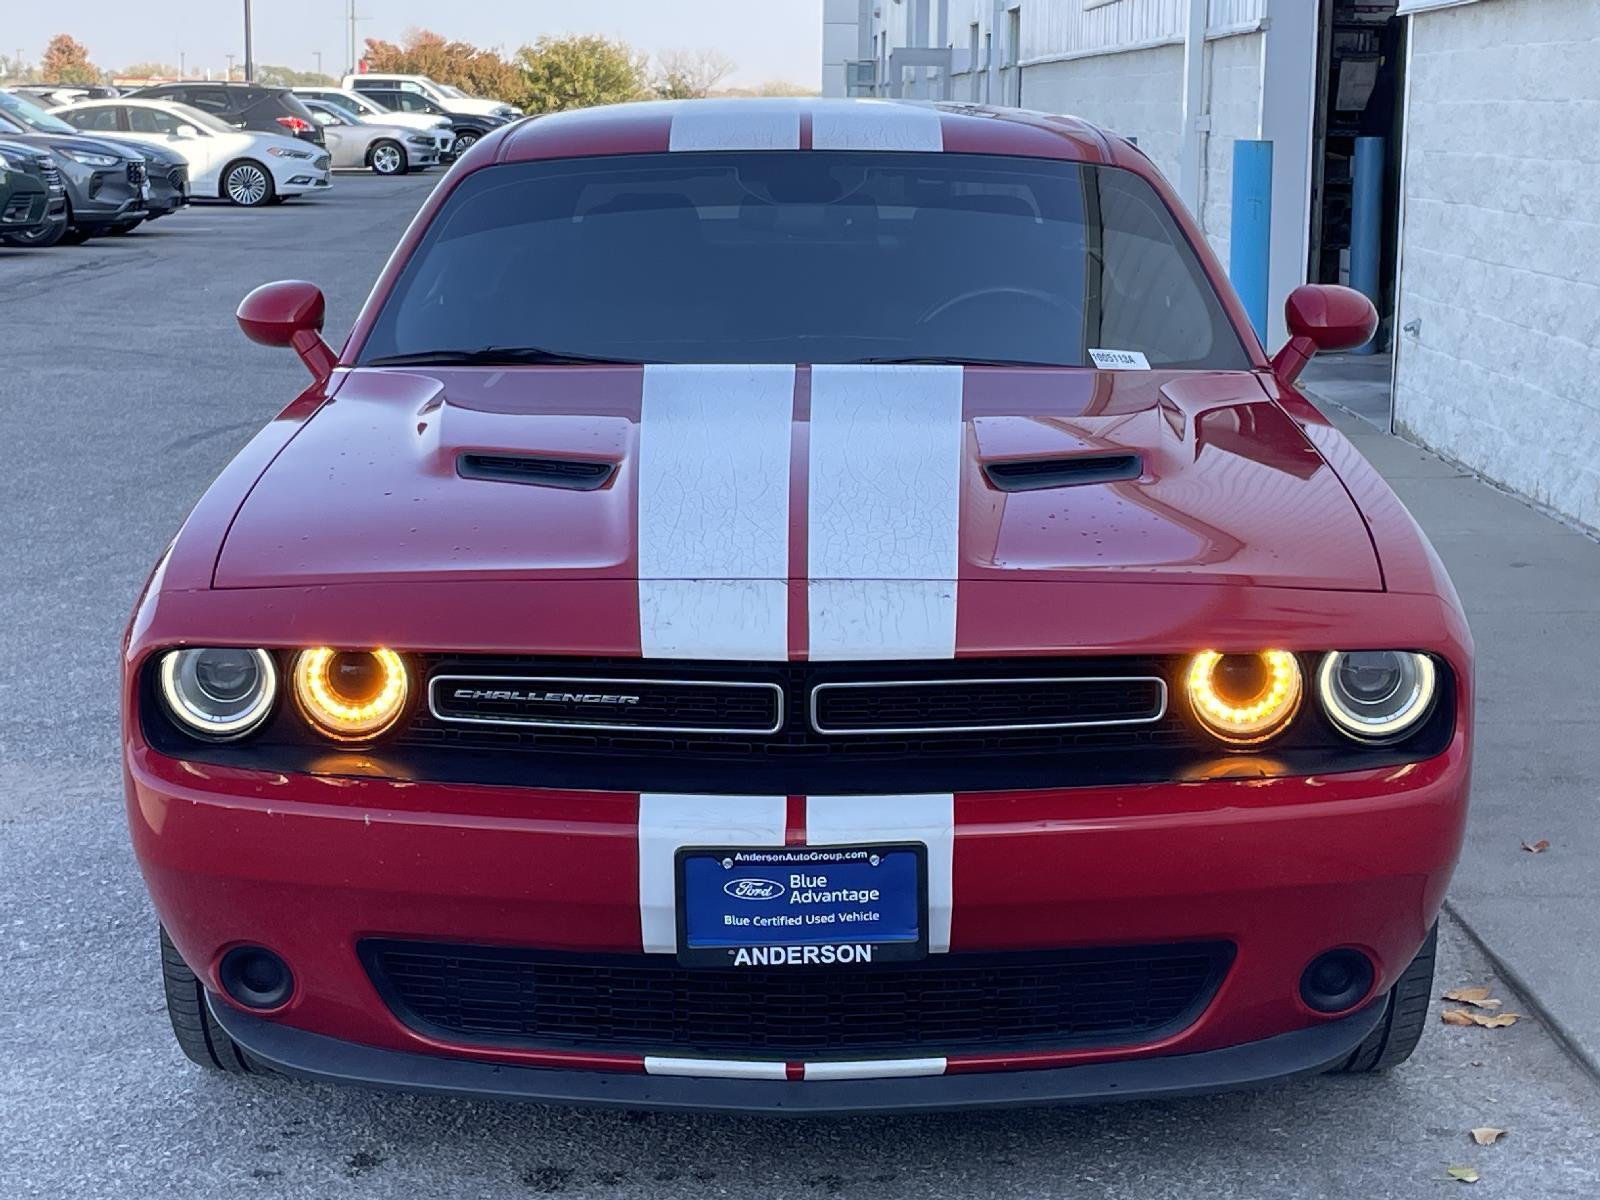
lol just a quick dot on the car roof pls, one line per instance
(813, 123)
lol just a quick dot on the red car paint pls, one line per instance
(1255, 523)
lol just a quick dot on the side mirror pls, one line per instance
(1325, 317)
(187, 131)
(290, 313)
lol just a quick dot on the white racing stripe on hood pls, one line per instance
(668, 822)
(713, 529)
(747, 125)
(929, 819)
(876, 125)
(884, 511)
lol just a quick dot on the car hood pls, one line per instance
(63, 142)
(826, 472)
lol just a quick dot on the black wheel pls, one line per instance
(37, 239)
(1405, 1013)
(247, 183)
(465, 140)
(199, 1036)
(388, 158)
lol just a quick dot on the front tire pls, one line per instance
(37, 239)
(1405, 1014)
(388, 158)
(199, 1036)
(466, 139)
(248, 184)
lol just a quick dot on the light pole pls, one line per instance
(318, 53)
(249, 52)
(230, 58)
(183, 64)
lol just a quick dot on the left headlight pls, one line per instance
(285, 152)
(90, 159)
(420, 139)
(216, 693)
(351, 695)
(1376, 695)
(1243, 698)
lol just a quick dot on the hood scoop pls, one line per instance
(1034, 474)
(574, 474)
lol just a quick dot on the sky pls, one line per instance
(768, 39)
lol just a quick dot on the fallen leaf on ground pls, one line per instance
(1462, 1016)
(1487, 1135)
(1538, 847)
(1478, 997)
(1462, 1174)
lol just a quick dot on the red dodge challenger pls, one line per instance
(799, 606)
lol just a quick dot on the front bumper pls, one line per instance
(324, 1060)
(1281, 868)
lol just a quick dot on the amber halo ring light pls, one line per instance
(1243, 699)
(351, 695)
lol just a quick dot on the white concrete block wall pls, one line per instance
(1501, 258)
(1139, 93)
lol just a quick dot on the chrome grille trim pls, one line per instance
(818, 690)
(603, 683)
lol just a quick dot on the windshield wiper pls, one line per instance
(498, 356)
(934, 360)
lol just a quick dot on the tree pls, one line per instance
(579, 72)
(16, 70)
(470, 68)
(772, 87)
(67, 61)
(149, 70)
(690, 74)
(289, 77)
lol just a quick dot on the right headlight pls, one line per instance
(216, 693)
(351, 695)
(1376, 695)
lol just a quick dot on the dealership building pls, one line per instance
(1482, 222)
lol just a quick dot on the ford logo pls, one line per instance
(754, 889)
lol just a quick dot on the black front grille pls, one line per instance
(567, 701)
(178, 177)
(947, 705)
(136, 176)
(51, 175)
(944, 1004)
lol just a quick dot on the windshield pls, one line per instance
(809, 257)
(29, 114)
(449, 89)
(348, 105)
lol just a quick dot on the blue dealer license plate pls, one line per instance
(798, 906)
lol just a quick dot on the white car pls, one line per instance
(381, 149)
(369, 112)
(452, 99)
(241, 165)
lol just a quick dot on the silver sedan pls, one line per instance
(383, 149)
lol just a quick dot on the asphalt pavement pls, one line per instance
(124, 387)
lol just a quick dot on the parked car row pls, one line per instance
(82, 162)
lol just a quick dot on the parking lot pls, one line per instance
(125, 385)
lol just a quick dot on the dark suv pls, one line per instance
(31, 222)
(469, 127)
(107, 184)
(245, 105)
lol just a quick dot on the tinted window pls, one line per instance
(809, 257)
(102, 119)
(211, 100)
(152, 120)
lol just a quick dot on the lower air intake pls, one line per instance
(944, 1004)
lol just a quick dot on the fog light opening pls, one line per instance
(256, 977)
(1337, 981)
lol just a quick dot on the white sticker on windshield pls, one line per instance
(1119, 360)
